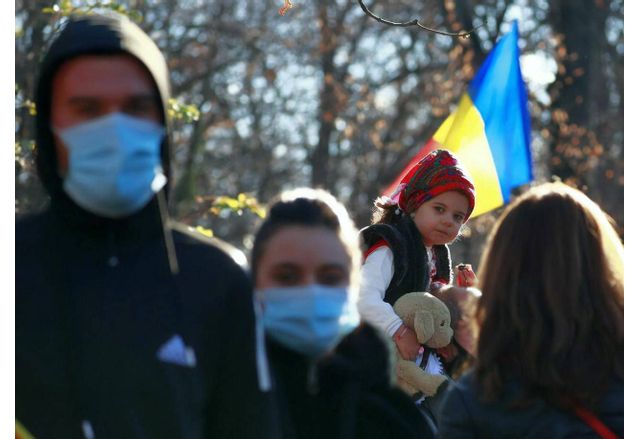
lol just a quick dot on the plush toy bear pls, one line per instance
(429, 317)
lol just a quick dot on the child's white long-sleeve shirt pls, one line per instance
(377, 272)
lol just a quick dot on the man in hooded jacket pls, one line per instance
(127, 326)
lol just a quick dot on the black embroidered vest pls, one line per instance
(410, 271)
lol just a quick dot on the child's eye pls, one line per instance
(458, 218)
(439, 209)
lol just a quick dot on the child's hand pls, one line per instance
(407, 342)
(465, 277)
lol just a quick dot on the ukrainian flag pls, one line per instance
(490, 131)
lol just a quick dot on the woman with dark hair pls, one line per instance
(332, 374)
(551, 315)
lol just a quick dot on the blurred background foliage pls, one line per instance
(325, 96)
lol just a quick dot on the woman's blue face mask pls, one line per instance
(309, 319)
(114, 164)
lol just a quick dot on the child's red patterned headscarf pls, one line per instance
(436, 173)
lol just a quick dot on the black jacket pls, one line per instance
(95, 306)
(409, 257)
(463, 415)
(346, 394)
(109, 342)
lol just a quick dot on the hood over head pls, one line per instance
(94, 35)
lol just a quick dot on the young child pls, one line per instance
(406, 247)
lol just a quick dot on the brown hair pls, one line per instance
(552, 306)
(312, 208)
(385, 212)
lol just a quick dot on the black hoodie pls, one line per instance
(110, 343)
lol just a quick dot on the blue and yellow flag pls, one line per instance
(490, 132)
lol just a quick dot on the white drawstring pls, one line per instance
(262, 364)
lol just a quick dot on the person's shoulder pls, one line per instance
(210, 248)
(31, 227)
(462, 392)
(611, 407)
(211, 270)
(374, 230)
(390, 412)
(364, 354)
(615, 392)
(506, 414)
(366, 337)
(468, 388)
(617, 386)
(364, 357)
(380, 248)
(30, 220)
(467, 381)
(389, 233)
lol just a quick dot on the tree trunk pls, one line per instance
(327, 110)
(579, 91)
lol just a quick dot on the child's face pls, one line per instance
(439, 219)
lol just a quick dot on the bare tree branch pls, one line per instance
(415, 22)
(464, 13)
(499, 21)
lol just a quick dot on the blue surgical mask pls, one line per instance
(309, 319)
(114, 164)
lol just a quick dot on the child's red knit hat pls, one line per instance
(436, 173)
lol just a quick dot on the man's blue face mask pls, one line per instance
(114, 164)
(309, 319)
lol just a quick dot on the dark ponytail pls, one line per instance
(386, 212)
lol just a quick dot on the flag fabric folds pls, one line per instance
(490, 130)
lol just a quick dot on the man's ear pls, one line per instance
(423, 325)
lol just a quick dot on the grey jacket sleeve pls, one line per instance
(454, 419)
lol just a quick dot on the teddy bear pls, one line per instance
(429, 317)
